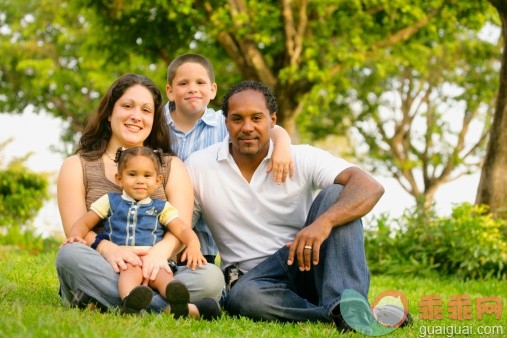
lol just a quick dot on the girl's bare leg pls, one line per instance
(160, 284)
(129, 279)
(135, 297)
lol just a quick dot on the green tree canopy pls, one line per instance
(322, 58)
(425, 113)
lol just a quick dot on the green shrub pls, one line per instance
(27, 240)
(470, 243)
(22, 194)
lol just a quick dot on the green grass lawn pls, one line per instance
(30, 307)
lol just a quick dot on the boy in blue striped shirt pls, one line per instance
(194, 126)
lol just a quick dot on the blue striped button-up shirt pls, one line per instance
(208, 130)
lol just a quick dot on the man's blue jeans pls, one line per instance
(275, 291)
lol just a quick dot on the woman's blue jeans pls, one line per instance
(275, 291)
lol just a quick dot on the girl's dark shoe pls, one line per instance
(137, 300)
(178, 297)
(208, 308)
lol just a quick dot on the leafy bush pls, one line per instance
(27, 240)
(470, 243)
(22, 194)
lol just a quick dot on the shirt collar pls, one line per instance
(210, 116)
(127, 197)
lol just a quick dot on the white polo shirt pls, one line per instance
(252, 220)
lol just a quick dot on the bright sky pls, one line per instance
(37, 133)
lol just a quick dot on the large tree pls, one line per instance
(493, 183)
(50, 63)
(61, 58)
(426, 117)
(298, 48)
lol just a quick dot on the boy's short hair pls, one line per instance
(192, 58)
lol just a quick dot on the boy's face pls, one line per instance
(139, 177)
(191, 89)
(249, 124)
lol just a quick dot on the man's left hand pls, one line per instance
(306, 245)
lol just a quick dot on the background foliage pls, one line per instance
(404, 81)
(331, 64)
(22, 194)
(469, 244)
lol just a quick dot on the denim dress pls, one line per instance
(132, 223)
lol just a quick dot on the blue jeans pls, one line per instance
(275, 291)
(81, 269)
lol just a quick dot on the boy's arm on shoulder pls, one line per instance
(281, 163)
(280, 135)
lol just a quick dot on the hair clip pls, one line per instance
(117, 157)
(159, 152)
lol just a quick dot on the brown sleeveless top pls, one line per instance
(97, 184)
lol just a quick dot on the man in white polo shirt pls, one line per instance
(295, 253)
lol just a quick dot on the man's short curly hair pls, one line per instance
(257, 86)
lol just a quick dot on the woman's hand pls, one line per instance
(154, 260)
(119, 256)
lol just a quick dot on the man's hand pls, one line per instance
(306, 244)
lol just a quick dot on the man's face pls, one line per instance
(249, 124)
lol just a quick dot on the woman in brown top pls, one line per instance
(130, 114)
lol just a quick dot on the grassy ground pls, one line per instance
(30, 307)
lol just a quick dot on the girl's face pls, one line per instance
(139, 177)
(132, 117)
(191, 89)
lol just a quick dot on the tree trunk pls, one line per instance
(289, 107)
(493, 183)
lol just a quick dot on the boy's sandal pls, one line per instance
(137, 300)
(178, 297)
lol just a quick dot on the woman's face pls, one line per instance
(132, 117)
